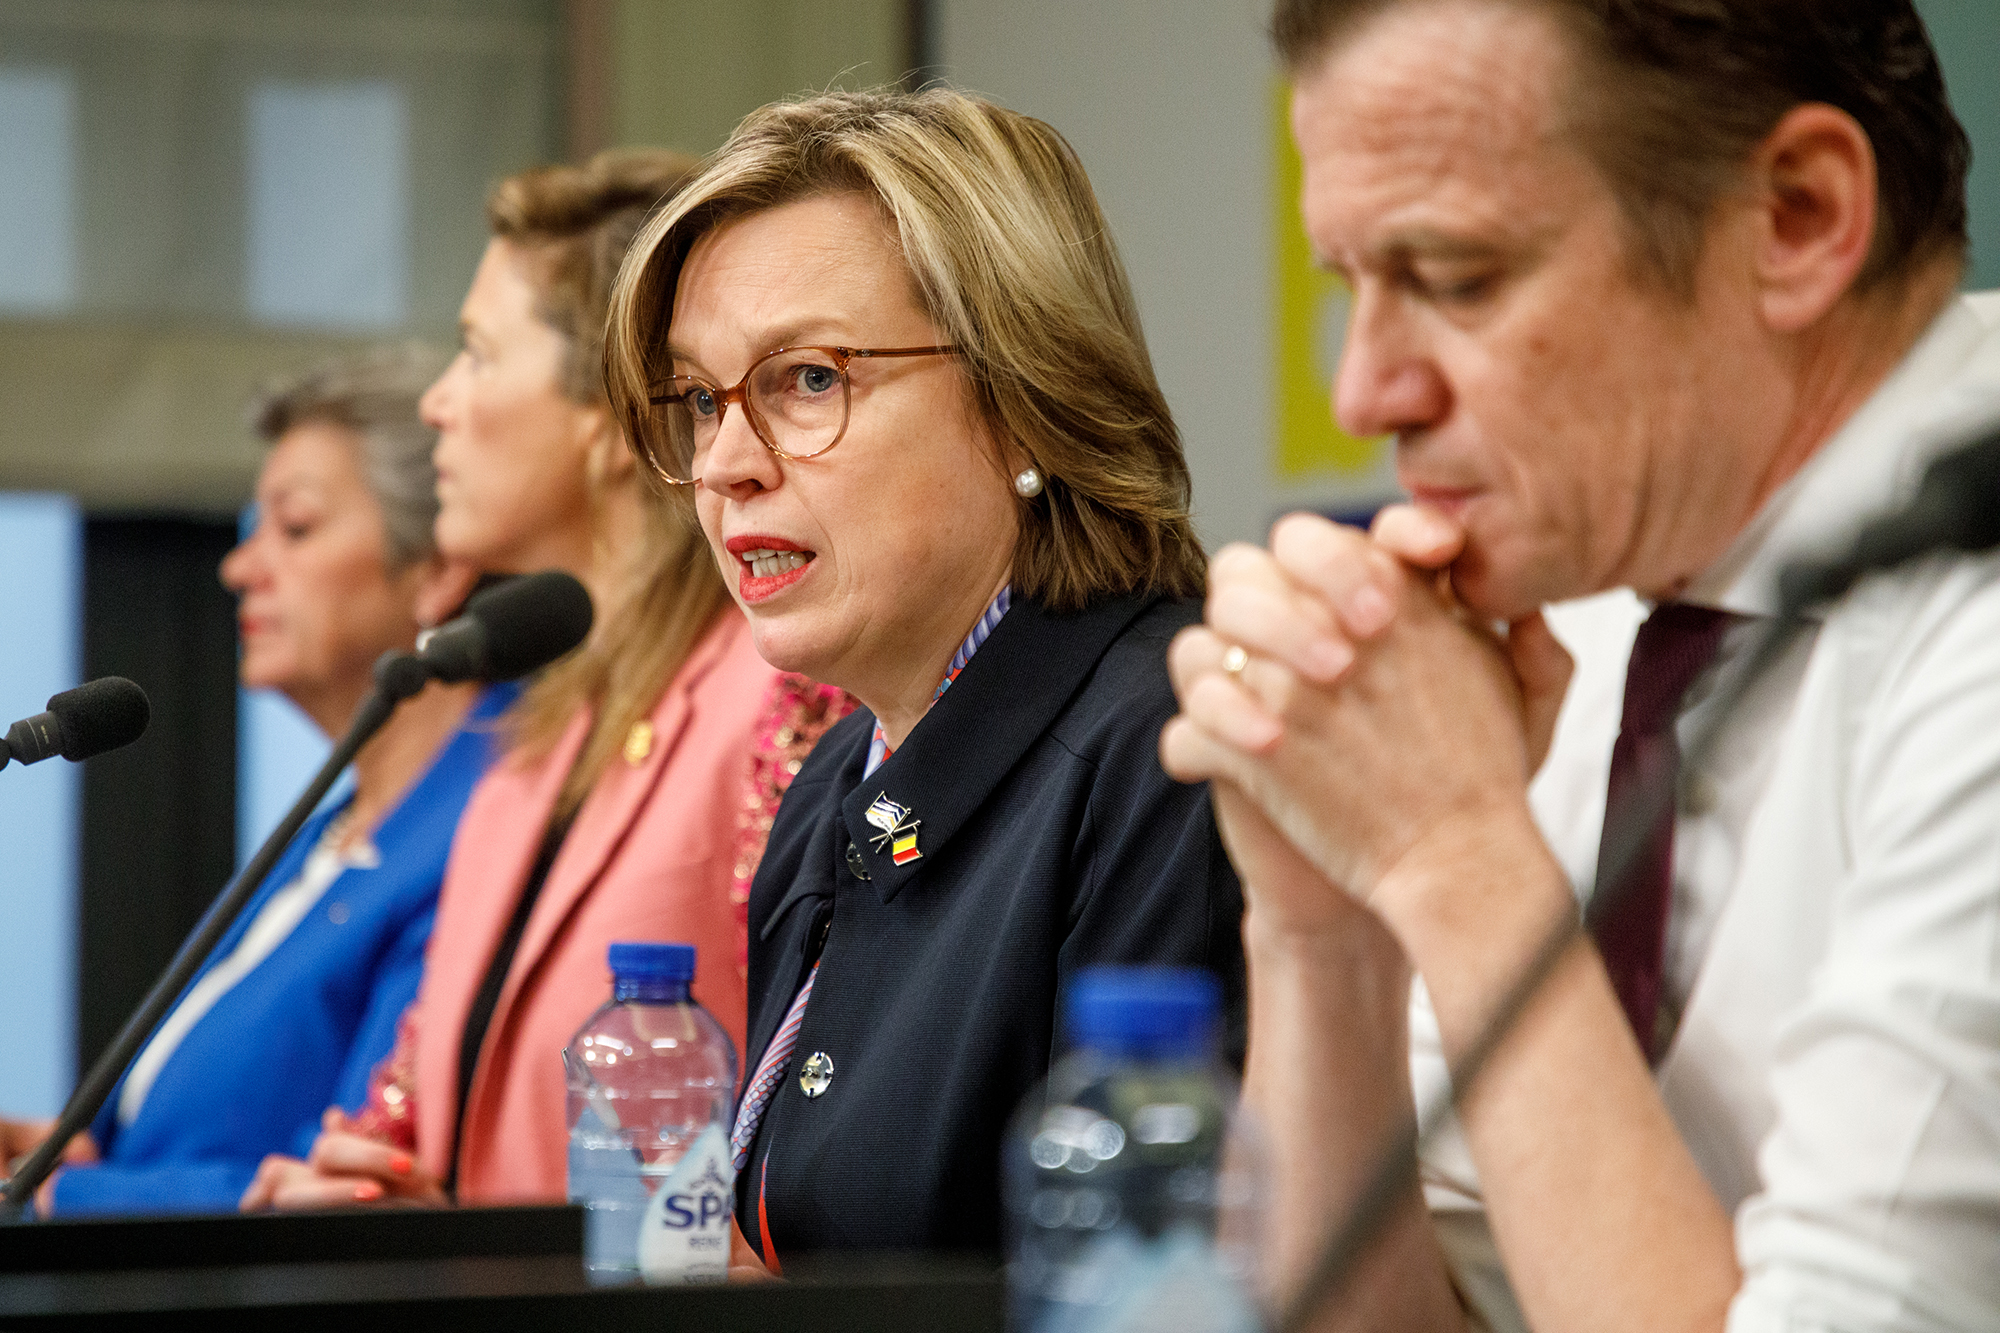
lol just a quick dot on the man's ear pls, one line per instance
(442, 588)
(1812, 183)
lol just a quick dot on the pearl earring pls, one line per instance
(1028, 485)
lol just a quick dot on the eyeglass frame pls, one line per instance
(740, 392)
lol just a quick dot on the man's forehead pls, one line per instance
(1432, 108)
(1466, 62)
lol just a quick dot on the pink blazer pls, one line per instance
(649, 857)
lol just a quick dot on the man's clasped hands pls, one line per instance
(1373, 734)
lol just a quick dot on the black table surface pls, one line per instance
(489, 1268)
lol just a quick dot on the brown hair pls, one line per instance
(1671, 97)
(374, 396)
(1012, 259)
(573, 225)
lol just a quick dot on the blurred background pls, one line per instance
(196, 195)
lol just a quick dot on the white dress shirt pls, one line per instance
(1834, 947)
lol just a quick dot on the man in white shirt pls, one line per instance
(1655, 295)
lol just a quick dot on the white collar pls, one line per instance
(1944, 393)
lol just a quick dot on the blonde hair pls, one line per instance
(572, 224)
(1010, 257)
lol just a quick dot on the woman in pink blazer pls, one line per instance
(648, 856)
(637, 788)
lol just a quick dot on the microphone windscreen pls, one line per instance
(101, 715)
(1964, 488)
(530, 622)
(1956, 508)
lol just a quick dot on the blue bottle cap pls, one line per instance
(649, 961)
(1143, 1010)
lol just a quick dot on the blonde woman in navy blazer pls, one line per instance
(884, 345)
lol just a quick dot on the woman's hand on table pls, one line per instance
(744, 1265)
(344, 1169)
(18, 1138)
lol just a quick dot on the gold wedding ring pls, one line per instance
(1235, 659)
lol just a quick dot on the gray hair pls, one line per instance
(375, 395)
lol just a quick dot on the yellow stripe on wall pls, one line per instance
(1312, 324)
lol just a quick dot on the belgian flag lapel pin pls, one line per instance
(899, 830)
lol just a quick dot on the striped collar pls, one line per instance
(878, 744)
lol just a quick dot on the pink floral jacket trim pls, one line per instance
(801, 711)
(390, 1113)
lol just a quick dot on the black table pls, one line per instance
(421, 1272)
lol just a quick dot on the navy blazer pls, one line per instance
(1049, 839)
(302, 1030)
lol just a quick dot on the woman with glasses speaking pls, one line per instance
(884, 347)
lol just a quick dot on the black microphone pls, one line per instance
(1956, 508)
(88, 720)
(509, 630)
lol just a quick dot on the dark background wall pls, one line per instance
(159, 816)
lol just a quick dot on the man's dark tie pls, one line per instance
(1673, 646)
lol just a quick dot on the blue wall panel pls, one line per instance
(41, 601)
(278, 749)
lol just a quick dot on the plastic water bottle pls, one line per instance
(652, 1078)
(1132, 1187)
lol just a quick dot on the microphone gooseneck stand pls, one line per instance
(398, 676)
(1956, 508)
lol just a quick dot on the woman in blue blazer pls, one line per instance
(301, 998)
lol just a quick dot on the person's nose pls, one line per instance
(737, 464)
(244, 564)
(434, 406)
(1388, 381)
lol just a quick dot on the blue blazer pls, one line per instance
(306, 1027)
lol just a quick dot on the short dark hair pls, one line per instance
(1676, 94)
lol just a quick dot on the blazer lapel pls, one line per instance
(844, 749)
(601, 828)
(602, 825)
(485, 883)
(1018, 682)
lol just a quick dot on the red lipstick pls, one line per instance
(753, 587)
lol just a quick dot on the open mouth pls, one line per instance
(767, 564)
